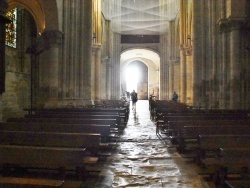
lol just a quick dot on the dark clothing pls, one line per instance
(175, 97)
(134, 97)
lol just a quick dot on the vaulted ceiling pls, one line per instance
(139, 17)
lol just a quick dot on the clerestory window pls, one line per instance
(11, 28)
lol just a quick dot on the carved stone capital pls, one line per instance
(223, 25)
(230, 24)
(187, 50)
(235, 24)
(45, 42)
(52, 37)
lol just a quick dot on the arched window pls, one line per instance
(11, 28)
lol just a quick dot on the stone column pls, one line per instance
(224, 60)
(87, 50)
(224, 71)
(52, 41)
(3, 21)
(182, 94)
(97, 73)
(197, 50)
(183, 76)
(171, 76)
(115, 71)
(235, 65)
(164, 72)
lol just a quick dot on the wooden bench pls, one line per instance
(189, 134)
(51, 139)
(22, 182)
(209, 118)
(211, 143)
(122, 112)
(230, 161)
(172, 128)
(107, 133)
(111, 122)
(77, 116)
(38, 157)
(121, 116)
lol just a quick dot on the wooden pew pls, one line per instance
(111, 122)
(21, 182)
(51, 139)
(230, 161)
(211, 143)
(123, 112)
(201, 117)
(106, 133)
(173, 128)
(190, 134)
(38, 157)
(77, 116)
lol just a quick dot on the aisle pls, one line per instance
(143, 160)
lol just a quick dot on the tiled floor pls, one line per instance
(143, 160)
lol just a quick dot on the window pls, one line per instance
(11, 28)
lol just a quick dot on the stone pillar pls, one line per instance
(224, 71)
(97, 73)
(52, 41)
(171, 76)
(115, 71)
(87, 50)
(75, 69)
(224, 60)
(182, 94)
(3, 21)
(164, 72)
(183, 76)
(235, 65)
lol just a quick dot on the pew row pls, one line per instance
(210, 144)
(38, 157)
(111, 122)
(107, 133)
(122, 112)
(229, 164)
(187, 138)
(119, 121)
(90, 141)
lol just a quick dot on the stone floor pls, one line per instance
(141, 159)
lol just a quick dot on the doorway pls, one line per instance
(140, 72)
(136, 76)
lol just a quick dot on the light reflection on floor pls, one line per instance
(143, 160)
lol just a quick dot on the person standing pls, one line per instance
(175, 97)
(134, 99)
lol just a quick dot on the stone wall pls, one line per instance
(17, 95)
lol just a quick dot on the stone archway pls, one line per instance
(148, 61)
(44, 12)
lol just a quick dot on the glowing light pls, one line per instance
(132, 75)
